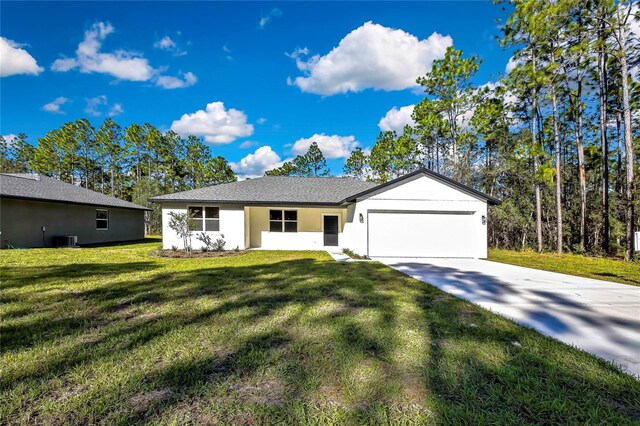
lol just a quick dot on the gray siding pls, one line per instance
(21, 222)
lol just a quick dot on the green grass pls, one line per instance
(583, 266)
(112, 335)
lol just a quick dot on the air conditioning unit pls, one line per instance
(65, 241)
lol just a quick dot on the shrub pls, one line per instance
(206, 240)
(219, 244)
(182, 224)
(209, 244)
(577, 249)
(353, 255)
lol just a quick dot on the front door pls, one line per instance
(330, 230)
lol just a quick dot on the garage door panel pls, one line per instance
(420, 234)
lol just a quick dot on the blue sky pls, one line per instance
(258, 81)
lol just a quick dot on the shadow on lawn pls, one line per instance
(619, 277)
(326, 339)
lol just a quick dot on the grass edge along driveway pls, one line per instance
(599, 268)
(113, 335)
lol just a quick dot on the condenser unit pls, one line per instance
(66, 241)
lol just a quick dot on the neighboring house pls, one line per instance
(36, 209)
(422, 214)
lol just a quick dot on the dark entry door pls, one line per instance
(330, 230)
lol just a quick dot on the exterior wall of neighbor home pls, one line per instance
(21, 223)
(419, 193)
(232, 226)
(310, 228)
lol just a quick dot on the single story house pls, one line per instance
(39, 211)
(421, 214)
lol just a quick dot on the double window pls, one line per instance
(102, 220)
(283, 220)
(205, 218)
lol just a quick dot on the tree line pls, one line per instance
(131, 163)
(556, 138)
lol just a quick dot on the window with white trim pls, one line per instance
(283, 220)
(102, 219)
(205, 218)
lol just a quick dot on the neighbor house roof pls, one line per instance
(33, 186)
(436, 176)
(292, 190)
(274, 190)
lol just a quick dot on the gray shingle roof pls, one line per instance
(38, 187)
(274, 190)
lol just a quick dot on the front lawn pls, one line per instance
(590, 267)
(113, 335)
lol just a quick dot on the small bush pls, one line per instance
(206, 240)
(353, 255)
(182, 224)
(174, 248)
(577, 249)
(219, 244)
(209, 244)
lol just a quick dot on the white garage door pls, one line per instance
(421, 234)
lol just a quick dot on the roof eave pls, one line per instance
(251, 203)
(47, 200)
(437, 176)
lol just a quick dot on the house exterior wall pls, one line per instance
(310, 234)
(420, 193)
(248, 226)
(232, 226)
(21, 223)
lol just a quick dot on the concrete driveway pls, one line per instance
(600, 317)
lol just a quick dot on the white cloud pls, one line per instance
(116, 109)
(512, 64)
(169, 45)
(261, 120)
(15, 60)
(371, 56)
(264, 158)
(170, 82)
(9, 139)
(98, 104)
(94, 104)
(395, 119)
(216, 124)
(248, 144)
(275, 13)
(227, 52)
(121, 64)
(333, 146)
(165, 43)
(54, 105)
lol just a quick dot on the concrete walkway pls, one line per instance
(600, 317)
(338, 256)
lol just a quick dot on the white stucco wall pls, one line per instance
(232, 226)
(292, 240)
(310, 228)
(420, 193)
